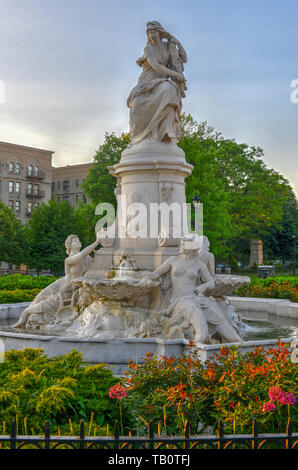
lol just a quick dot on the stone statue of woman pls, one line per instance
(46, 304)
(189, 307)
(155, 103)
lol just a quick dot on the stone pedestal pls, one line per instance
(151, 173)
(256, 252)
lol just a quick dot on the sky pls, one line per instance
(69, 65)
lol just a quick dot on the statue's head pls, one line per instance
(72, 244)
(206, 243)
(190, 244)
(155, 31)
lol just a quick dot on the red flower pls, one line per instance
(117, 391)
(267, 407)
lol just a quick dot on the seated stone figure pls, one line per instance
(46, 304)
(192, 314)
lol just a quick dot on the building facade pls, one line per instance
(25, 178)
(67, 180)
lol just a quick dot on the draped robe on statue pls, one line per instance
(155, 105)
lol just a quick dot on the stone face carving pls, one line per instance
(47, 303)
(155, 103)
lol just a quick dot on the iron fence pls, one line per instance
(254, 441)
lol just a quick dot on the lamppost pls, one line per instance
(196, 202)
(294, 252)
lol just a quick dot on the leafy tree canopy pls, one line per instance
(12, 244)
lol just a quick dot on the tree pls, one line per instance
(254, 195)
(47, 230)
(99, 185)
(279, 243)
(12, 242)
(204, 180)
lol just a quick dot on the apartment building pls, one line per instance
(67, 180)
(25, 178)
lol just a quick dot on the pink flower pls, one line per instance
(117, 391)
(269, 407)
(287, 398)
(275, 393)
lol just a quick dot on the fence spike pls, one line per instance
(289, 433)
(254, 433)
(116, 435)
(186, 435)
(151, 434)
(220, 434)
(13, 434)
(47, 435)
(82, 434)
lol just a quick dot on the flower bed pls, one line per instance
(281, 287)
(232, 386)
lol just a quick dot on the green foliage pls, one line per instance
(199, 145)
(278, 244)
(99, 185)
(17, 295)
(63, 389)
(245, 197)
(18, 288)
(19, 281)
(12, 245)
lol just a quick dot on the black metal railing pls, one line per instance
(287, 440)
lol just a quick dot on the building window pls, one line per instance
(29, 207)
(36, 170)
(10, 204)
(53, 186)
(36, 188)
(11, 167)
(17, 187)
(77, 183)
(84, 199)
(18, 168)
(77, 197)
(17, 206)
(65, 185)
(29, 188)
(10, 186)
(30, 170)
(58, 199)
(59, 185)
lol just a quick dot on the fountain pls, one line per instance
(139, 294)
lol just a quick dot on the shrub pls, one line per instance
(232, 386)
(63, 390)
(18, 281)
(18, 295)
(280, 287)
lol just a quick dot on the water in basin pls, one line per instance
(259, 325)
(262, 325)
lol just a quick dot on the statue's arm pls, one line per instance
(208, 280)
(164, 268)
(153, 62)
(85, 252)
(212, 264)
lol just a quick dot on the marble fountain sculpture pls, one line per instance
(160, 286)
